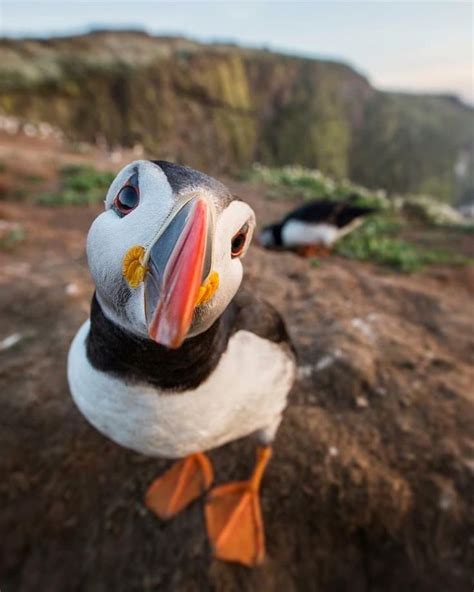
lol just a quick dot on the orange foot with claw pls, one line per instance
(313, 251)
(184, 482)
(234, 517)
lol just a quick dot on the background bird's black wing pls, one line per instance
(315, 211)
(338, 213)
(350, 212)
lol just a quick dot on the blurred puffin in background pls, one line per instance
(314, 228)
(175, 358)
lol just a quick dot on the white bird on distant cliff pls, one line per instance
(175, 360)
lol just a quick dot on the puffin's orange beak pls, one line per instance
(178, 263)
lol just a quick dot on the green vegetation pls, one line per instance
(11, 235)
(79, 185)
(413, 144)
(34, 179)
(427, 209)
(376, 241)
(296, 182)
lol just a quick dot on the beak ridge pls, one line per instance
(173, 288)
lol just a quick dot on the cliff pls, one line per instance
(222, 107)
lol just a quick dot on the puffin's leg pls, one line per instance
(313, 251)
(324, 251)
(185, 481)
(234, 518)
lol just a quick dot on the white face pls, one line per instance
(112, 235)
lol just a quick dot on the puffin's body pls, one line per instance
(229, 382)
(316, 224)
(175, 358)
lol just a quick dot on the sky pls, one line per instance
(421, 46)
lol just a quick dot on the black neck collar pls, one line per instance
(135, 359)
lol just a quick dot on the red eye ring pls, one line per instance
(239, 241)
(127, 200)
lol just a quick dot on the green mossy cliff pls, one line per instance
(221, 108)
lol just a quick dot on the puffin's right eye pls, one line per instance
(127, 200)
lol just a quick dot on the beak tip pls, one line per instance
(166, 338)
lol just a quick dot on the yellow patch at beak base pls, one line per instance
(208, 289)
(133, 269)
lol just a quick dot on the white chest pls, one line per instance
(246, 393)
(296, 232)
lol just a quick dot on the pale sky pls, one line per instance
(424, 46)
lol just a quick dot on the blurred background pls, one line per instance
(286, 102)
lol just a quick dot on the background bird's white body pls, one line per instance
(245, 394)
(297, 233)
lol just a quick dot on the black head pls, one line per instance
(270, 236)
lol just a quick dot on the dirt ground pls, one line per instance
(372, 476)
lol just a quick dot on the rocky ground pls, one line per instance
(372, 477)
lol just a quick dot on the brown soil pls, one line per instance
(370, 485)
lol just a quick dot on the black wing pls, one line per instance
(258, 316)
(338, 213)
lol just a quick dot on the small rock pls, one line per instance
(30, 130)
(363, 327)
(10, 341)
(445, 502)
(362, 402)
(115, 156)
(469, 463)
(138, 151)
(324, 362)
(305, 371)
(72, 289)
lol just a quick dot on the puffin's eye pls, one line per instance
(127, 200)
(239, 241)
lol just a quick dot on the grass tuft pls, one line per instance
(11, 235)
(295, 182)
(79, 185)
(375, 241)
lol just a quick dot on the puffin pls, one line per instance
(315, 227)
(177, 358)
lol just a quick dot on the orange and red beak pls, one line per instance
(178, 263)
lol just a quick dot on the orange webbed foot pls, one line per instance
(234, 518)
(184, 482)
(313, 251)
